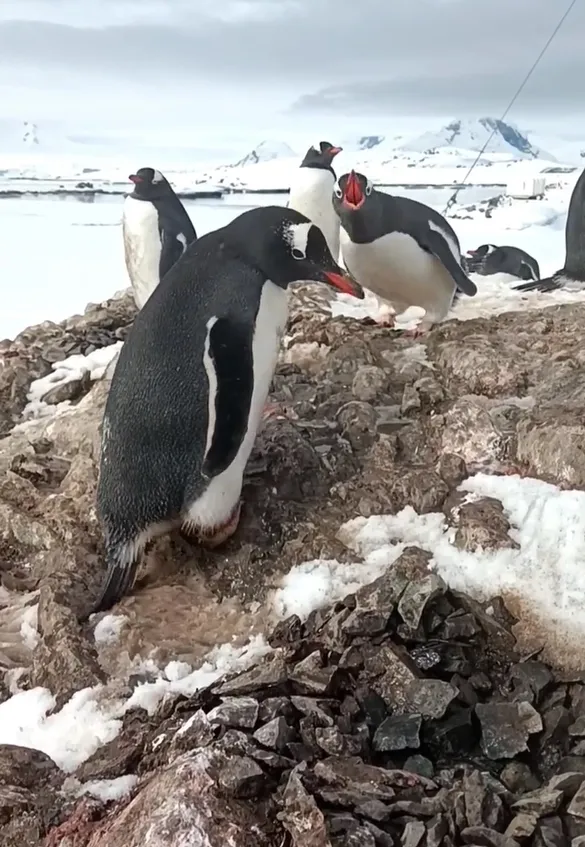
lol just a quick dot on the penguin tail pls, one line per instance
(122, 565)
(550, 283)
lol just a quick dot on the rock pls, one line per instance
(399, 732)
(540, 803)
(416, 597)
(577, 805)
(204, 814)
(393, 671)
(301, 816)
(268, 675)
(430, 697)
(241, 777)
(506, 728)
(25, 767)
(239, 712)
(369, 382)
(522, 826)
(413, 834)
(483, 836)
(311, 677)
(275, 734)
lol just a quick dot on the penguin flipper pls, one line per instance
(172, 250)
(230, 348)
(434, 242)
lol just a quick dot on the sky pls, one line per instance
(256, 67)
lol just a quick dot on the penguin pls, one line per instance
(311, 191)
(489, 259)
(191, 382)
(157, 230)
(572, 275)
(403, 251)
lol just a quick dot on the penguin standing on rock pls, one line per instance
(572, 275)
(157, 231)
(190, 387)
(311, 192)
(489, 259)
(403, 251)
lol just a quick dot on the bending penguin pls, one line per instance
(402, 250)
(489, 259)
(157, 230)
(191, 383)
(312, 189)
(572, 275)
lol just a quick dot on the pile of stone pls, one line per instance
(400, 717)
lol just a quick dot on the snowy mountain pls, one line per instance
(473, 134)
(266, 151)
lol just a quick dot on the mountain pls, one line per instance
(266, 151)
(473, 134)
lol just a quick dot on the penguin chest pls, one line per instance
(311, 194)
(142, 247)
(217, 503)
(397, 269)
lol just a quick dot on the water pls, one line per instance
(61, 253)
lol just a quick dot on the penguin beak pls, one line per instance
(333, 151)
(135, 179)
(353, 196)
(345, 284)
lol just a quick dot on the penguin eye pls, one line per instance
(368, 188)
(337, 191)
(297, 254)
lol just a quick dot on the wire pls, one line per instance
(510, 104)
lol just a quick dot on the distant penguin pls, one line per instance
(157, 230)
(489, 259)
(311, 192)
(403, 251)
(572, 275)
(191, 383)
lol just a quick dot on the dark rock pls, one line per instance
(317, 709)
(275, 734)
(25, 767)
(550, 833)
(301, 816)
(399, 732)
(239, 712)
(430, 697)
(72, 390)
(534, 675)
(542, 802)
(392, 673)
(420, 765)
(506, 728)
(518, 777)
(577, 805)
(335, 743)
(416, 597)
(270, 674)
(311, 676)
(274, 707)
(241, 777)
(483, 836)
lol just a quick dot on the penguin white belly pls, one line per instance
(311, 194)
(142, 247)
(217, 503)
(397, 270)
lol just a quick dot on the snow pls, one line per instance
(108, 790)
(73, 368)
(107, 630)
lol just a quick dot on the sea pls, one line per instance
(59, 253)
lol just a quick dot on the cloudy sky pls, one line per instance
(249, 66)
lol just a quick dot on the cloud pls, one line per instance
(253, 59)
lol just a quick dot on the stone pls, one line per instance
(241, 777)
(506, 728)
(430, 697)
(311, 676)
(301, 817)
(413, 834)
(396, 671)
(483, 836)
(238, 712)
(335, 743)
(541, 802)
(268, 675)
(420, 765)
(25, 767)
(398, 732)
(577, 805)
(275, 734)
(522, 826)
(369, 382)
(416, 597)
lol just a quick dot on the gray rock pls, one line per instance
(506, 728)
(577, 805)
(542, 802)
(312, 677)
(398, 732)
(430, 697)
(241, 777)
(238, 712)
(275, 734)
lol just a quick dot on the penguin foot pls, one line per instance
(213, 537)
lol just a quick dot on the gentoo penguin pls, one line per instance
(572, 275)
(402, 250)
(157, 231)
(489, 259)
(191, 383)
(312, 189)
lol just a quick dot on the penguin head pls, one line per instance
(321, 156)
(482, 251)
(149, 184)
(351, 192)
(286, 247)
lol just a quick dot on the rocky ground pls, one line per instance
(404, 715)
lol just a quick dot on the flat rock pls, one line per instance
(506, 728)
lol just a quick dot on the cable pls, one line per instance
(510, 104)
